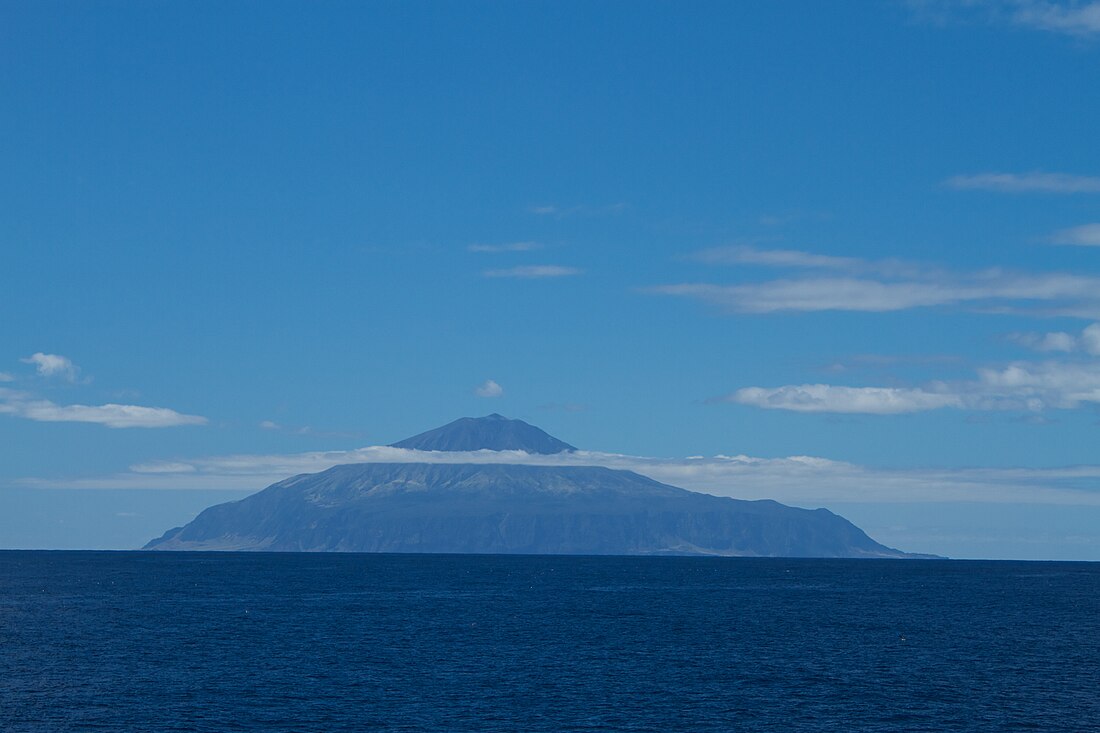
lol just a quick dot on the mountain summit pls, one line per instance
(492, 432)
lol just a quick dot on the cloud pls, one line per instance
(1035, 386)
(1086, 235)
(830, 398)
(489, 388)
(21, 404)
(799, 480)
(1072, 18)
(1054, 341)
(816, 294)
(1075, 19)
(511, 247)
(1036, 182)
(269, 425)
(1088, 341)
(1064, 384)
(163, 467)
(534, 271)
(53, 365)
(747, 255)
(1021, 385)
(5, 377)
(853, 284)
(579, 210)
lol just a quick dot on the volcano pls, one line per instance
(510, 508)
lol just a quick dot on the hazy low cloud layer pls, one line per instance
(799, 480)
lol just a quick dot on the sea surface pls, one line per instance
(130, 641)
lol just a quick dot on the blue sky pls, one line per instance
(865, 233)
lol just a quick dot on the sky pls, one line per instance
(835, 254)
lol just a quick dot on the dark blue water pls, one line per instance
(240, 642)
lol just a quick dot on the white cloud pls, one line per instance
(1090, 339)
(1075, 19)
(163, 467)
(269, 425)
(578, 210)
(1021, 385)
(1064, 384)
(110, 415)
(1072, 17)
(852, 284)
(21, 404)
(1036, 386)
(534, 271)
(489, 388)
(1053, 341)
(831, 398)
(817, 294)
(1036, 182)
(53, 365)
(511, 247)
(5, 377)
(1086, 235)
(746, 255)
(799, 480)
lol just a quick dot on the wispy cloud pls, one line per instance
(1075, 18)
(1036, 182)
(489, 388)
(1072, 18)
(163, 467)
(510, 247)
(867, 295)
(749, 255)
(1087, 341)
(53, 365)
(1051, 341)
(21, 404)
(1018, 386)
(1086, 235)
(853, 284)
(269, 425)
(578, 210)
(800, 480)
(5, 377)
(836, 399)
(535, 271)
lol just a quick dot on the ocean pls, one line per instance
(131, 641)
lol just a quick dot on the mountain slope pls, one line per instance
(497, 508)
